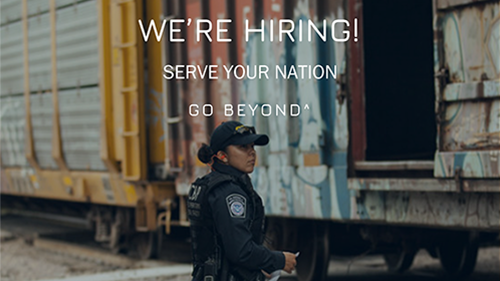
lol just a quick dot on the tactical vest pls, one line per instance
(206, 245)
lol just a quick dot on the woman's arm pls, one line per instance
(232, 214)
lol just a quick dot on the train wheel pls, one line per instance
(458, 256)
(312, 264)
(399, 261)
(146, 244)
(160, 234)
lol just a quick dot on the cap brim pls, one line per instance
(246, 139)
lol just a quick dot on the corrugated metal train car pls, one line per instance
(399, 152)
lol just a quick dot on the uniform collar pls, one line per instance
(243, 178)
(226, 169)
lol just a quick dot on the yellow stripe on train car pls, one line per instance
(130, 193)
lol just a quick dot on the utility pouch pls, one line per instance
(198, 273)
(210, 271)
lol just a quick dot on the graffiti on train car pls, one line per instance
(12, 130)
(318, 145)
(468, 103)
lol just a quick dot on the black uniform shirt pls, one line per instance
(232, 211)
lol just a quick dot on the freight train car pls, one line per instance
(400, 151)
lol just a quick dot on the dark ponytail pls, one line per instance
(205, 153)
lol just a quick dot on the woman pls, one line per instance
(227, 215)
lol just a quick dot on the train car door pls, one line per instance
(391, 89)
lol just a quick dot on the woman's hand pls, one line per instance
(290, 262)
(268, 276)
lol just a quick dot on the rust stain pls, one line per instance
(4, 183)
(480, 90)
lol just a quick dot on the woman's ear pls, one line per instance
(221, 156)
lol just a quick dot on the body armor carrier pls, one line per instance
(208, 259)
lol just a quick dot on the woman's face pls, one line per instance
(241, 157)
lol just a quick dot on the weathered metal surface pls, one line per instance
(39, 53)
(243, 10)
(257, 92)
(4, 183)
(18, 182)
(128, 88)
(468, 60)
(176, 54)
(91, 187)
(269, 91)
(479, 211)
(416, 184)
(246, 90)
(11, 71)
(427, 185)
(41, 118)
(196, 127)
(29, 147)
(444, 4)
(156, 125)
(333, 107)
(36, 7)
(10, 10)
(246, 55)
(393, 165)
(486, 185)
(12, 113)
(220, 89)
(306, 192)
(472, 210)
(158, 107)
(107, 140)
(315, 191)
(471, 49)
(80, 121)
(306, 145)
(473, 164)
(77, 45)
(474, 90)
(356, 78)
(299, 194)
(471, 126)
(57, 152)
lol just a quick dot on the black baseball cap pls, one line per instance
(235, 133)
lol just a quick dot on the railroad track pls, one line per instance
(67, 246)
(67, 238)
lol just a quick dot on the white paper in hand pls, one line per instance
(275, 275)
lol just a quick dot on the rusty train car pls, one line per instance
(399, 152)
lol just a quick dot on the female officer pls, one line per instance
(227, 215)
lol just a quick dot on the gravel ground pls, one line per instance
(25, 259)
(22, 262)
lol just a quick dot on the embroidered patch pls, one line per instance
(237, 204)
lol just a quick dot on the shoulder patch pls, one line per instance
(237, 205)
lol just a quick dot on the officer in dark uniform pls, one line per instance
(227, 215)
